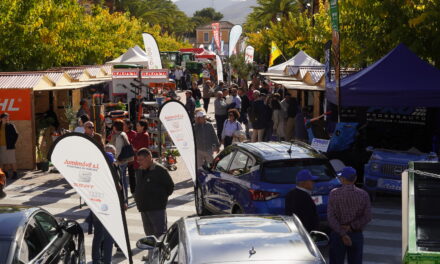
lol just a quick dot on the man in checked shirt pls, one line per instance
(348, 212)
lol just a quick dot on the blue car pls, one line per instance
(254, 178)
(383, 171)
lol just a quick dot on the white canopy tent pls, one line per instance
(134, 55)
(300, 59)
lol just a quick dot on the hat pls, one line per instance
(348, 173)
(4, 115)
(305, 175)
(200, 114)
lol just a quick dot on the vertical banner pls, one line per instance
(216, 34)
(95, 179)
(152, 51)
(176, 121)
(334, 16)
(234, 36)
(219, 69)
(328, 66)
(249, 54)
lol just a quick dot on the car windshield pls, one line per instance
(4, 250)
(284, 172)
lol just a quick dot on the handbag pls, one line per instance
(127, 152)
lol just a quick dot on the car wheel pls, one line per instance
(200, 204)
(237, 210)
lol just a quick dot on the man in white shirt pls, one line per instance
(178, 75)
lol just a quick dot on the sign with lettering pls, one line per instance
(17, 103)
(320, 144)
(93, 176)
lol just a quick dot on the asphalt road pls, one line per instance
(53, 193)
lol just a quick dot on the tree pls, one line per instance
(240, 67)
(41, 34)
(205, 16)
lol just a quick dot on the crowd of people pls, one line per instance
(257, 113)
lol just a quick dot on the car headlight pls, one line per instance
(374, 166)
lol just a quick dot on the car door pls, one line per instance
(217, 197)
(235, 184)
(57, 248)
(170, 251)
(32, 246)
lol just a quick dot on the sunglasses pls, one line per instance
(91, 127)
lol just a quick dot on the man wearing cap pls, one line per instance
(206, 139)
(299, 201)
(348, 212)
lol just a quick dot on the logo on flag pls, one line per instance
(275, 52)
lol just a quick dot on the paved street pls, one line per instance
(54, 194)
(51, 191)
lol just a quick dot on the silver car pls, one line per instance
(236, 239)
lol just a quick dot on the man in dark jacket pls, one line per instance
(299, 200)
(8, 138)
(260, 116)
(153, 187)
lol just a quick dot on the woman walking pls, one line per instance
(230, 126)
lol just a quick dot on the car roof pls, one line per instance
(13, 217)
(269, 151)
(231, 238)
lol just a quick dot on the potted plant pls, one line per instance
(70, 115)
(41, 125)
(170, 158)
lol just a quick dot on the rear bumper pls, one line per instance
(373, 183)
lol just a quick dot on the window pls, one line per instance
(238, 165)
(32, 244)
(222, 164)
(169, 254)
(48, 224)
(284, 172)
(206, 37)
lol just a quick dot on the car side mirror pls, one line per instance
(71, 227)
(320, 238)
(148, 243)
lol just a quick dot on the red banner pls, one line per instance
(17, 103)
(216, 34)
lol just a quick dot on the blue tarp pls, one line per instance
(400, 78)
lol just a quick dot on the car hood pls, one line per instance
(399, 156)
(236, 248)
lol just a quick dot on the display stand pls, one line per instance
(157, 132)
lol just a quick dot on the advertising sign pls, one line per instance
(216, 34)
(122, 84)
(334, 14)
(17, 103)
(234, 36)
(249, 54)
(95, 179)
(320, 144)
(155, 74)
(219, 69)
(176, 121)
(152, 51)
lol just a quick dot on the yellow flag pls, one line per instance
(275, 52)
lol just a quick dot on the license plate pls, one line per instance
(394, 185)
(317, 199)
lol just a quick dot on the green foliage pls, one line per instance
(240, 67)
(368, 28)
(40, 34)
(205, 16)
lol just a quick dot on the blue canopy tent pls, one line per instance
(400, 78)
